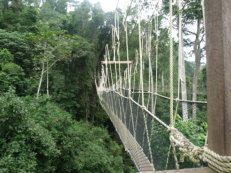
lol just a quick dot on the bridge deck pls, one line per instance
(131, 145)
(191, 170)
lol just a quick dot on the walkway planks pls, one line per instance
(131, 145)
(191, 170)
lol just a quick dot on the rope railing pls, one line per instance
(166, 97)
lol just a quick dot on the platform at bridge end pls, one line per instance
(191, 170)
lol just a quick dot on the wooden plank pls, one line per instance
(218, 46)
(191, 170)
(116, 62)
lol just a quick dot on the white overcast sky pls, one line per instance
(110, 5)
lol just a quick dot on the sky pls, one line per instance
(110, 5)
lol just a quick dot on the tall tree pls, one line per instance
(179, 10)
(52, 47)
(193, 15)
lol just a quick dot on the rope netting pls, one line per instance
(139, 108)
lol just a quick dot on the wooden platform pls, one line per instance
(191, 170)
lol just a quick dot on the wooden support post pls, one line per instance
(218, 46)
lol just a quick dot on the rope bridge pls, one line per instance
(131, 101)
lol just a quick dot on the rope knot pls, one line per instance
(185, 146)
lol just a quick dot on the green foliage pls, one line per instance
(12, 69)
(37, 136)
(16, 44)
(194, 131)
(23, 142)
(12, 75)
(28, 19)
(160, 148)
(75, 90)
(5, 57)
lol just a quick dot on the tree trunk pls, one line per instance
(47, 79)
(183, 86)
(197, 68)
(184, 91)
(86, 105)
(42, 72)
(162, 81)
(40, 81)
(5, 5)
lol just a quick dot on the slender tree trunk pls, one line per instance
(162, 81)
(47, 79)
(184, 91)
(40, 81)
(197, 68)
(42, 72)
(86, 105)
(183, 86)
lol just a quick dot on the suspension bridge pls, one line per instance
(131, 99)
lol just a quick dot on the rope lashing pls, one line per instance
(185, 146)
(221, 164)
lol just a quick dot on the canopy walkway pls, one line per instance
(134, 111)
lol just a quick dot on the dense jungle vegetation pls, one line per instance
(50, 116)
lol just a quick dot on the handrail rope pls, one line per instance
(153, 110)
(157, 51)
(149, 40)
(127, 51)
(140, 53)
(168, 156)
(171, 63)
(204, 20)
(166, 97)
(107, 76)
(157, 45)
(171, 80)
(133, 126)
(110, 68)
(149, 61)
(180, 53)
(114, 48)
(134, 74)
